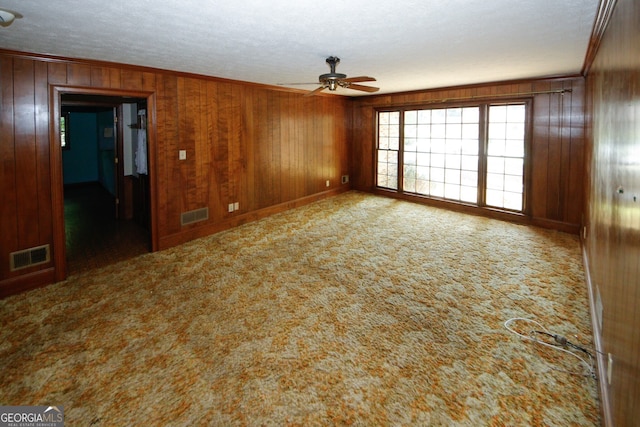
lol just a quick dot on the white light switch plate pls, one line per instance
(182, 154)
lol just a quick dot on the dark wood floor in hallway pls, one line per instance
(94, 237)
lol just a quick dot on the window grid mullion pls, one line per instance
(400, 182)
(482, 154)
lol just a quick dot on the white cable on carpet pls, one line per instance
(558, 338)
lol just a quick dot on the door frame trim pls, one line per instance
(57, 184)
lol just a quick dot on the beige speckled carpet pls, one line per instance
(355, 310)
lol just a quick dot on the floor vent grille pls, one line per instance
(29, 257)
(194, 216)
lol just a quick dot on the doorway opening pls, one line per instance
(105, 179)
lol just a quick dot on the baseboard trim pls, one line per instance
(605, 407)
(166, 242)
(487, 212)
(26, 282)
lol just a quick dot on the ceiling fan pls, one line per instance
(332, 80)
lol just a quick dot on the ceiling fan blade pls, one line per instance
(315, 91)
(359, 79)
(294, 84)
(364, 88)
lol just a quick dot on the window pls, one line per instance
(388, 146)
(505, 156)
(470, 154)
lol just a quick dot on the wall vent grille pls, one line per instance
(194, 216)
(29, 257)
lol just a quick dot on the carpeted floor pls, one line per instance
(355, 310)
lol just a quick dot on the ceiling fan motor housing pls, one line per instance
(332, 79)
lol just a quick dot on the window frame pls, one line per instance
(483, 142)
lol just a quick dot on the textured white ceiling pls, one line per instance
(404, 44)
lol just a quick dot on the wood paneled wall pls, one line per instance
(557, 146)
(265, 148)
(612, 243)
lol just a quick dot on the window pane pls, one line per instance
(422, 187)
(513, 166)
(497, 131)
(498, 114)
(453, 146)
(438, 146)
(495, 181)
(469, 194)
(452, 176)
(423, 159)
(424, 145)
(513, 201)
(454, 115)
(436, 189)
(515, 131)
(452, 191)
(437, 160)
(516, 113)
(470, 131)
(409, 171)
(410, 131)
(410, 158)
(454, 130)
(424, 131)
(495, 165)
(469, 163)
(437, 174)
(409, 185)
(452, 161)
(424, 116)
(383, 168)
(394, 139)
(438, 131)
(513, 183)
(438, 116)
(468, 178)
(494, 198)
(469, 146)
(496, 147)
(410, 144)
(514, 148)
(471, 115)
